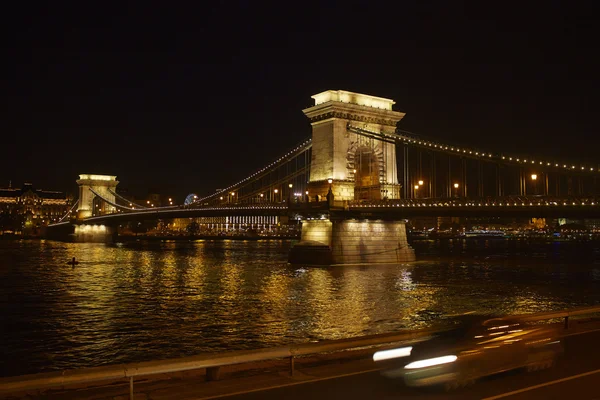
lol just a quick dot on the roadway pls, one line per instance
(576, 375)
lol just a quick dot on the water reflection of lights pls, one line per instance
(186, 298)
(300, 271)
(332, 317)
(405, 281)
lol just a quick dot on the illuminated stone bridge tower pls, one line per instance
(360, 167)
(101, 184)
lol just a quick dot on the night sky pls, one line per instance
(186, 99)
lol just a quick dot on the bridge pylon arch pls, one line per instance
(89, 184)
(334, 146)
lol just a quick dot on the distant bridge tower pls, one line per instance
(101, 184)
(360, 167)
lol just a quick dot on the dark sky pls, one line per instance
(191, 98)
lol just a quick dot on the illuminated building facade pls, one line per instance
(27, 209)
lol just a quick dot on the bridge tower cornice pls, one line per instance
(387, 119)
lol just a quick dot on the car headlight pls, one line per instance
(431, 362)
(392, 353)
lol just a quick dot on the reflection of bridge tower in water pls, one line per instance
(360, 166)
(89, 203)
(353, 164)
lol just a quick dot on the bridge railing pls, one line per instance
(212, 362)
(506, 201)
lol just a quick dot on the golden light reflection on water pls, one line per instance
(156, 300)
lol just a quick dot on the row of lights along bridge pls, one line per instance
(261, 197)
(277, 195)
(456, 186)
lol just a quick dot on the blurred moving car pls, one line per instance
(476, 347)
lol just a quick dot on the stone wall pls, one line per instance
(326, 242)
(367, 242)
(317, 231)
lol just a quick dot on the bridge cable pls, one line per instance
(299, 149)
(131, 209)
(124, 199)
(68, 212)
(110, 202)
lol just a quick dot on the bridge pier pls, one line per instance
(93, 234)
(348, 242)
(81, 233)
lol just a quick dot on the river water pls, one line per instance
(145, 301)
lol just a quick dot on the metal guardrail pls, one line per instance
(556, 314)
(212, 362)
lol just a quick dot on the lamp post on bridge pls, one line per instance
(416, 191)
(456, 190)
(330, 193)
(290, 193)
(534, 179)
(275, 195)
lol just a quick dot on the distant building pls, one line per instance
(27, 209)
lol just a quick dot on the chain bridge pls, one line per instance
(356, 180)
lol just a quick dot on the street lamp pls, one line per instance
(534, 179)
(290, 193)
(416, 191)
(275, 191)
(456, 189)
(421, 182)
(261, 197)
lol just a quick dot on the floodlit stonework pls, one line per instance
(354, 160)
(358, 165)
(102, 185)
(350, 242)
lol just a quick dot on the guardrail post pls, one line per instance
(567, 322)
(131, 388)
(213, 373)
(291, 365)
